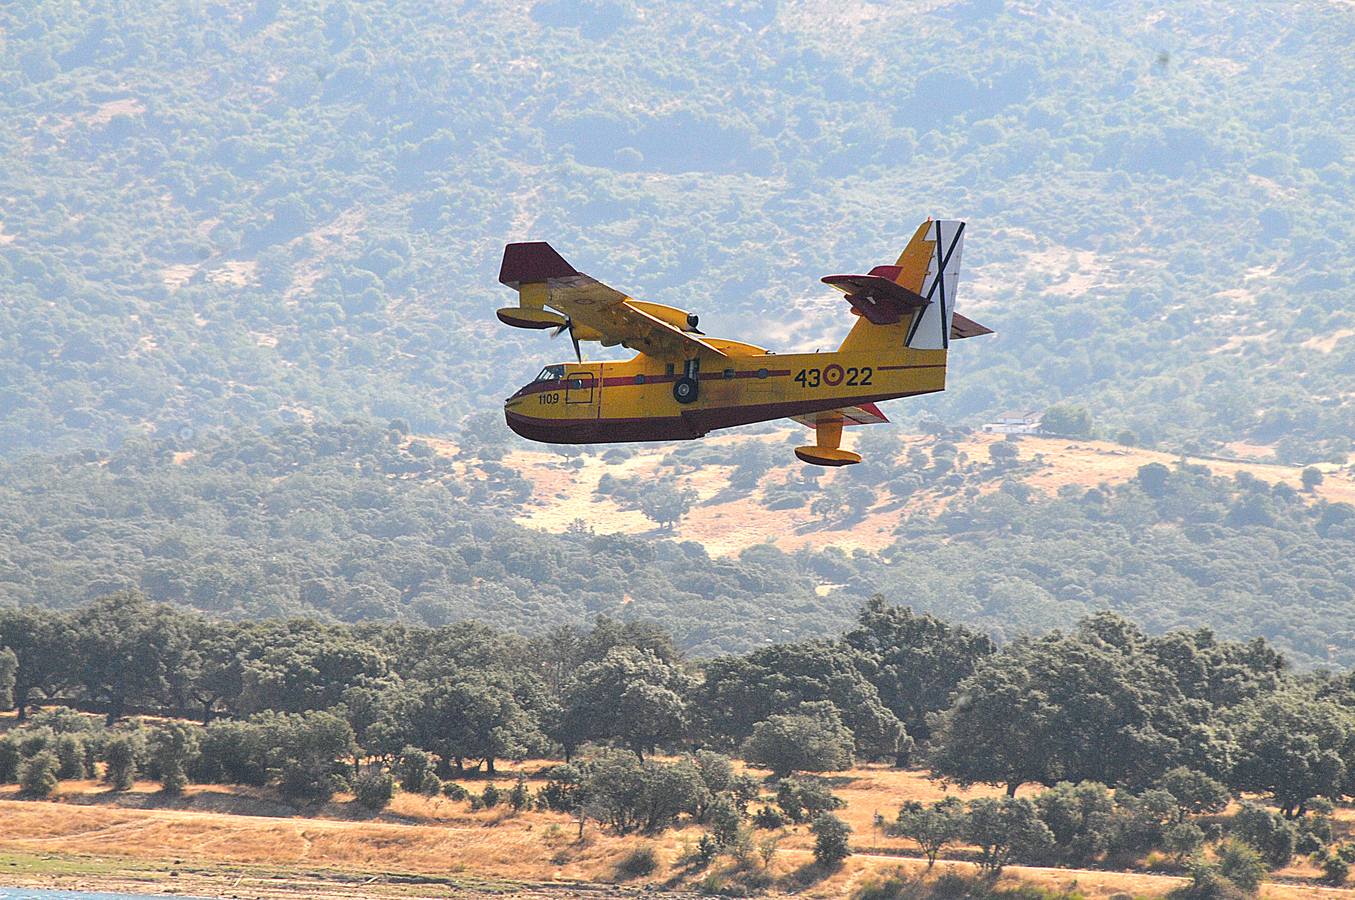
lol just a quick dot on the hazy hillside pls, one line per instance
(252, 213)
(351, 522)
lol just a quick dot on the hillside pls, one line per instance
(726, 520)
(216, 216)
(352, 522)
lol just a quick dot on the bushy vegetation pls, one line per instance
(351, 523)
(1179, 723)
(314, 230)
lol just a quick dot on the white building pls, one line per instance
(1014, 423)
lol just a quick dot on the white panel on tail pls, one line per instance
(931, 330)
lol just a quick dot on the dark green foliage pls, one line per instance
(802, 799)
(563, 790)
(38, 774)
(412, 769)
(171, 750)
(1269, 833)
(768, 819)
(1141, 820)
(231, 752)
(1005, 830)
(1183, 840)
(1241, 865)
(374, 789)
(1079, 817)
(70, 753)
(813, 739)
(931, 827)
(628, 795)
(453, 791)
(831, 835)
(305, 750)
(122, 760)
(491, 795)
(915, 661)
(740, 692)
(1335, 871)
(1294, 746)
(9, 665)
(10, 757)
(1023, 715)
(519, 798)
(631, 697)
(1195, 792)
(725, 821)
(638, 863)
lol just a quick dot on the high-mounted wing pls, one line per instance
(542, 277)
(612, 314)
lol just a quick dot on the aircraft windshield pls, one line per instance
(551, 373)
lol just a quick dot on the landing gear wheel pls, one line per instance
(685, 389)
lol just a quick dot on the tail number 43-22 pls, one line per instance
(834, 375)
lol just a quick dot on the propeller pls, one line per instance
(569, 326)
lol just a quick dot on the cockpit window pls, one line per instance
(551, 373)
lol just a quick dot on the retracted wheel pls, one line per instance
(685, 389)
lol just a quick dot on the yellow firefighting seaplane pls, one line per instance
(682, 384)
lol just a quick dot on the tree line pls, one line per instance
(1129, 734)
(1103, 702)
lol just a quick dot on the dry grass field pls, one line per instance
(217, 841)
(565, 489)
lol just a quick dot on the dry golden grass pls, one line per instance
(215, 829)
(727, 525)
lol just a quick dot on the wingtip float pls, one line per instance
(682, 384)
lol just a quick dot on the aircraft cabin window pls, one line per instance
(551, 373)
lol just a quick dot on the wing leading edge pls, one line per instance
(543, 277)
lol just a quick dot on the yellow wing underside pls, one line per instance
(610, 313)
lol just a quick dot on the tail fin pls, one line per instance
(931, 261)
(911, 303)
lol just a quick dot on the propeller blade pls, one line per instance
(569, 326)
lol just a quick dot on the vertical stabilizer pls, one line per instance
(930, 328)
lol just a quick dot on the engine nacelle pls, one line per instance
(678, 318)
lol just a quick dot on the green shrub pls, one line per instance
(1242, 865)
(491, 796)
(801, 799)
(70, 754)
(453, 791)
(172, 748)
(413, 769)
(725, 821)
(1335, 870)
(9, 759)
(38, 774)
(120, 761)
(638, 863)
(1268, 832)
(519, 798)
(830, 840)
(374, 789)
(768, 818)
(230, 752)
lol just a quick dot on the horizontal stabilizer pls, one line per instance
(876, 295)
(965, 327)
